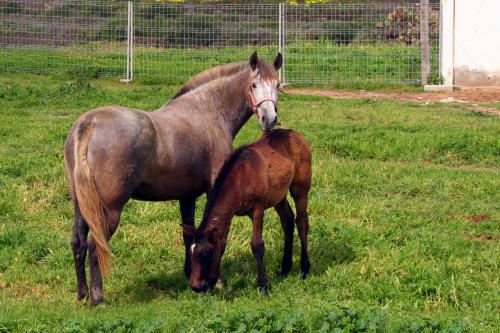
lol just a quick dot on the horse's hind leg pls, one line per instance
(286, 218)
(187, 207)
(79, 247)
(96, 293)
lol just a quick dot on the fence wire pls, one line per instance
(332, 43)
(62, 36)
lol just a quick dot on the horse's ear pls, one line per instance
(254, 60)
(188, 229)
(278, 61)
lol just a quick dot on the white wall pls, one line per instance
(473, 56)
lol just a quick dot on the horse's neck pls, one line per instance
(225, 99)
(228, 98)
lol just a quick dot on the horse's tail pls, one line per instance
(88, 198)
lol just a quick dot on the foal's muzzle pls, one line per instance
(200, 287)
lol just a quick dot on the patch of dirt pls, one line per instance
(477, 218)
(469, 96)
(483, 238)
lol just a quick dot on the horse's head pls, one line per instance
(205, 261)
(263, 93)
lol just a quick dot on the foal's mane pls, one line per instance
(219, 182)
(275, 135)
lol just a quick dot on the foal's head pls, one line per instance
(205, 257)
(263, 94)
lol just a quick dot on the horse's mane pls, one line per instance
(210, 75)
(213, 78)
(221, 71)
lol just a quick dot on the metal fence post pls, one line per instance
(425, 41)
(281, 37)
(130, 42)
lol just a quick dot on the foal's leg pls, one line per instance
(79, 247)
(96, 293)
(187, 207)
(286, 218)
(302, 222)
(257, 245)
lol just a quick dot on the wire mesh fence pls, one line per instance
(177, 41)
(331, 43)
(62, 36)
(357, 42)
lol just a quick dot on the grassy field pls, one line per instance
(404, 224)
(346, 66)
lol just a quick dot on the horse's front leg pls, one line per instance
(257, 245)
(79, 247)
(187, 207)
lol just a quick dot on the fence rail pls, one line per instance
(331, 43)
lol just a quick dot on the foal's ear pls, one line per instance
(278, 61)
(254, 60)
(211, 233)
(188, 229)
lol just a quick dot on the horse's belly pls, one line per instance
(172, 189)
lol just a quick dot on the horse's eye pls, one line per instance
(254, 85)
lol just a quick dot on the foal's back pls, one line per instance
(267, 169)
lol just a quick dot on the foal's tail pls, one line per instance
(90, 203)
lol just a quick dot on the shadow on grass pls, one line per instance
(146, 288)
(239, 273)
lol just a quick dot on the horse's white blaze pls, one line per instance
(266, 112)
(193, 247)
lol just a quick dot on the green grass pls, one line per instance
(351, 66)
(393, 245)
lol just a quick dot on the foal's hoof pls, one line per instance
(220, 285)
(303, 275)
(263, 291)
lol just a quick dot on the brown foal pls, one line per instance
(255, 177)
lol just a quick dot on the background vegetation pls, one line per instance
(341, 45)
(403, 210)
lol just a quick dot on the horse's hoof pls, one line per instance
(97, 303)
(283, 274)
(263, 291)
(303, 275)
(82, 300)
(82, 297)
(220, 285)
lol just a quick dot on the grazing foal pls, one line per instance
(255, 177)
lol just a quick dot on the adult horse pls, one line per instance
(113, 154)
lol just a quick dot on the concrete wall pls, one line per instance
(472, 58)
